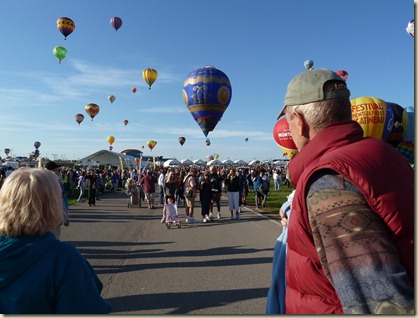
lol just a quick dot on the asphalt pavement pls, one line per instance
(222, 267)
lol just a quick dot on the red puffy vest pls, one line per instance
(387, 182)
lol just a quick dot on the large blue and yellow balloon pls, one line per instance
(207, 93)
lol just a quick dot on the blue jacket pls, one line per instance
(42, 275)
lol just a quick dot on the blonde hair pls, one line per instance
(321, 114)
(30, 203)
(171, 177)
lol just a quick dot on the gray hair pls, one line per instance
(321, 114)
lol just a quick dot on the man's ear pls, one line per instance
(302, 126)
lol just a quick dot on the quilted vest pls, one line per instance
(387, 183)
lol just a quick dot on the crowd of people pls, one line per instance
(348, 243)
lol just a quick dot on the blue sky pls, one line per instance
(259, 45)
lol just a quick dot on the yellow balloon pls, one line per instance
(111, 139)
(216, 156)
(373, 115)
(151, 144)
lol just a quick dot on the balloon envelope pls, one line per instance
(151, 144)
(116, 23)
(209, 158)
(373, 115)
(410, 131)
(133, 90)
(66, 26)
(283, 138)
(400, 124)
(79, 118)
(110, 140)
(126, 122)
(36, 144)
(410, 28)
(111, 98)
(308, 64)
(207, 93)
(149, 75)
(182, 140)
(343, 74)
(59, 52)
(92, 110)
(216, 156)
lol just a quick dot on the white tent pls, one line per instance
(186, 161)
(171, 162)
(214, 162)
(228, 162)
(240, 162)
(254, 162)
(106, 157)
(199, 162)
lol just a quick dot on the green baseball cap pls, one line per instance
(309, 86)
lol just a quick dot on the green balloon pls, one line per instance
(59, 52)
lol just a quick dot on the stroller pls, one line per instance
(172, 215)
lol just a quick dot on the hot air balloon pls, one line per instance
(283, 138)
(7, 151)
(126, 122)
(149, 75)
(216, 156)
(65, 26)
(110, 140)
(343, 74)
(207, 93)
(59, 52)
(410, 131)
(36, 144)
(209, 158)
(151, 144)
(116, 23)
(400, 124)
(111, 98)
(134, 90)
(182, 140)
(410, 28)
(373, 115)
(308, 64)
(79, 118)
(92, 110)
(406, 148)
(246, 139)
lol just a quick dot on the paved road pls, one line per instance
(222, 267)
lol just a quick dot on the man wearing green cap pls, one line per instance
(351, 234)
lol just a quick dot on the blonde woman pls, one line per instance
(170, 189)
(38, 273)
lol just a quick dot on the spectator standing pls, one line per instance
(169, 191)
(80, 185)
(351, 234)
(277, 180)
(149, 181)
(232, 186)
(91, 178)
(190, 188)
(38, 273)
(216, 185)
(115, 180)
(161, 184)
(205, 196)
